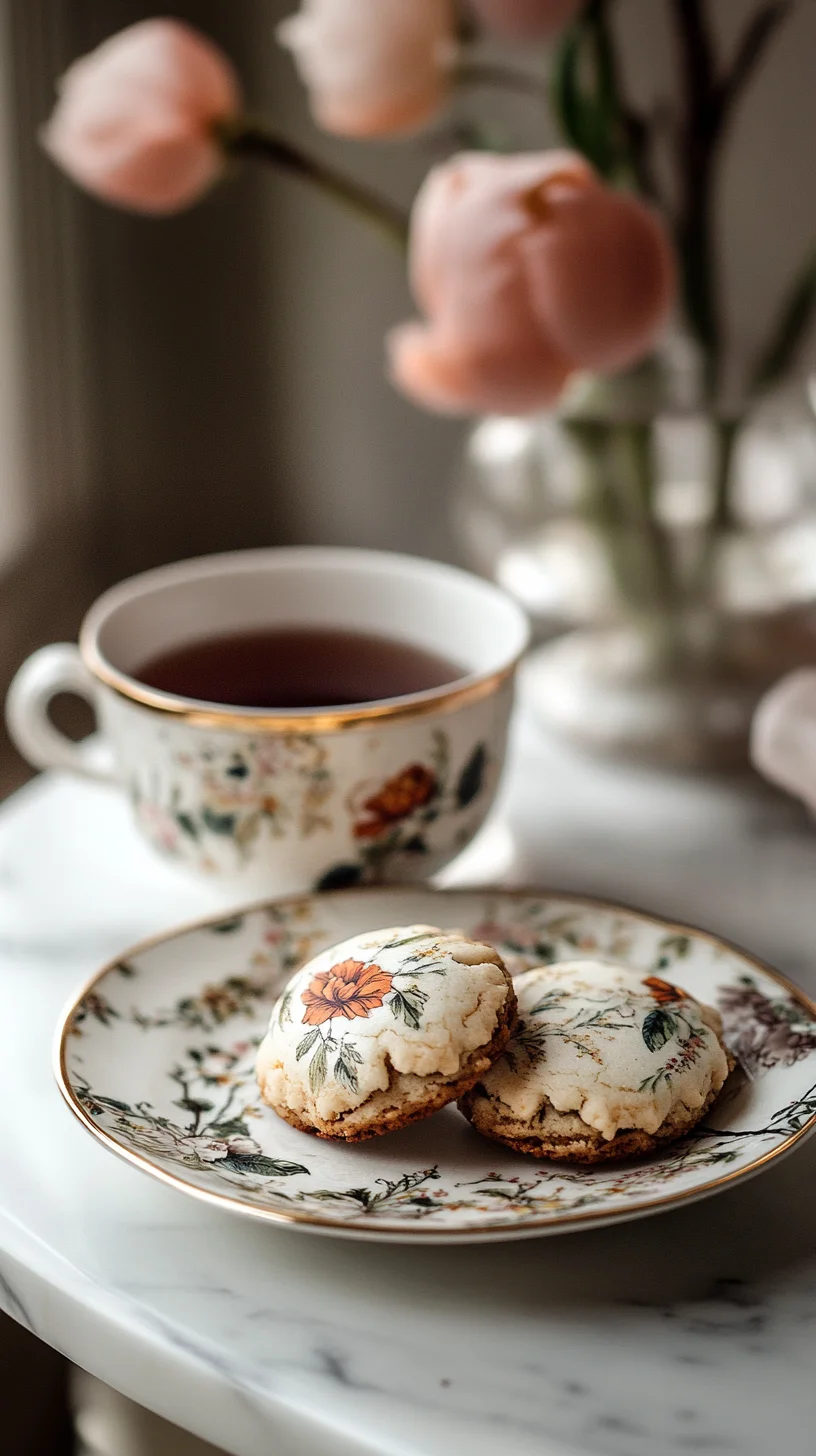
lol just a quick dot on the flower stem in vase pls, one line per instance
(702, 585)
(726, 439)
(618, 480)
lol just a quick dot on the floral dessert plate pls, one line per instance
(156, 1058)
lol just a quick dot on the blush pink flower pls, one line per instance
(373, 67)
(136, 120)
(527, 269)
(529, 19)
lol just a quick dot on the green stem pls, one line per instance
(727, 434)
(628, 131)
(253, 141)
(589, 99)
(601, 509)
(638, 473)
(618, 477)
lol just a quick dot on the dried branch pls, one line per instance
(697, 142)
(749, 53)
(788, 334)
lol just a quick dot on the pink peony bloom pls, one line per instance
(373, 67)
(529, 19)
(528, 269)
(135, 120)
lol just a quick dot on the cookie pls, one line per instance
(604, 1063)
(383, 1029)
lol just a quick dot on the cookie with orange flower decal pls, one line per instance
(603, 1063)
(384, 1029)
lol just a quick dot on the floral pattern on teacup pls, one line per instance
(392, 821)
(238, 796)
(222, 799)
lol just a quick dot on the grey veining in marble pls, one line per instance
(691, 1332)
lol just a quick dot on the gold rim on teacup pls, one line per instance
(444, 700)
(470, 687)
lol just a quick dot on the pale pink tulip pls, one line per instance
(373, 67)
(529, 19)
(135, 121)
(528, 269)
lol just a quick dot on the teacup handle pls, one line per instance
(48, 672)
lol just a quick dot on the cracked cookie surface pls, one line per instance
(384, 1029)
(605, 1062)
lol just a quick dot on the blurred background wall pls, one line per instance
(216, 380)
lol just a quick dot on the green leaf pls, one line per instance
(406, 940)
(126, 969)
(585, 93)
(408, 1005)
(228, 927)
(566, 96)
(284, 1011)
(308, 1041)
(440, 756)
(678, 945)
(219, 823)
(789, 332)
(317, 1069)
(471, 779)
(345, 1073)
(233, 1127)
(107, 1102)
(340, 877)
(658, 1028)
(194, 1104)
(258, 1163)
(187, 824)
(579, 112)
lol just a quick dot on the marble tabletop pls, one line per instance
(689, 1332)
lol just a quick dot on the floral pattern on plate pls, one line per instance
(157, 1058)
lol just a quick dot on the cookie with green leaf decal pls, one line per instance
(604, 1063)
(384, 1029)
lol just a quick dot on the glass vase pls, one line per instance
(666, 552)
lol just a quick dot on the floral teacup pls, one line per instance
(279, 801)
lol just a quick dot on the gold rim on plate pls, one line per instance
(418, 1232)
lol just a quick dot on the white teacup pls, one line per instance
(281, 801)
